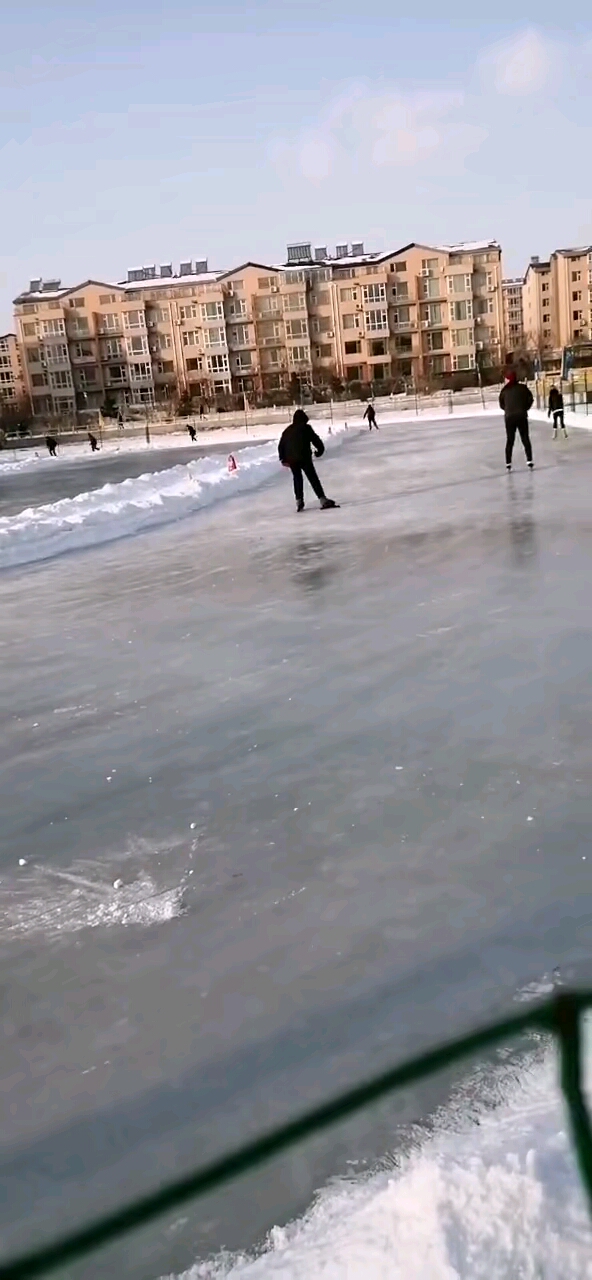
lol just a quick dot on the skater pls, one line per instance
(202, 410)
(370, 414)
(556, 408)
(295, 451)
(192, 431)
(515, 400)
(120, 423)
(92, 440)
(52, 446)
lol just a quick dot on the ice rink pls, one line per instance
(285, 798)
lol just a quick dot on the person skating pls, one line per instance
(52, 446)
(92, 440)
(515, 400)
(192, 431)
(556, 408)
(370, 414)
(295, 452)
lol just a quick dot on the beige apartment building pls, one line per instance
(12, 386)
(557, 302)
(321, 319)
(513, 315)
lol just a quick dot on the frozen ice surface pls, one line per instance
(342, 703)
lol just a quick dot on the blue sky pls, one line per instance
(135, 133)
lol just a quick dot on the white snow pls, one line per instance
(487, 1199)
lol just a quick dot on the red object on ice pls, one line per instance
(232, 462)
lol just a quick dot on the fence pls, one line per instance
(153, 422)
(559, 1016)
(576, 391)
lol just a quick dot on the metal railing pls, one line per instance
(559, 1016)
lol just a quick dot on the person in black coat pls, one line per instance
(515, 400)
(52, 446)
(370, 414)
(295, 451)
(556, 408)
(93, 442)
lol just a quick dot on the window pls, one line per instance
(350, 321)
(378, 348)
(578, 315)
(79, 325)
(295, 302)
(110, 323)
(404, 343)
(140, 372)
(194, 363)
(374, 292)
(163, 342)
(189, 313)
(296, 328)
(60, 379)
(29, 309)
(545, 288)
(402, 316)
(165, 366)
(348, 295)
(88, 376)
(5, 362)
(137, 345)
(401, 290)
(459, 284)
(463, 362)
(429, 264)
(431, 288)
(376, 320)
(33, 355)
(106, 298)
(461, 310)
(82, 350)
(484, 307)
(57, 353)
(212, 310)
(5, 378)
(238, 285)
(576, 277)
(113, 348)
(63, 406)
(76, 302)
(298, 355)
(547, 318)
(322, 298)
(134, 319)
(263, 282)
(400, 267)
(576, 295)
(56, 327)
(191, 337)
(215, 337)
(237, 308)
(117, 373)
(244, 360)
(432, 314)
(218, 364)
(38, 379)
(326, 351)
(462, 337)
(353, 348)
(546, 333)
(435, 341)
(30, 330)
(240, 335)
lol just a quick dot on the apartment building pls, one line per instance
(320, 319)
(513, 315)
(12, 387)
(538, 307)
(571, 288)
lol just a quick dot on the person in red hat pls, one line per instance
(515, 400)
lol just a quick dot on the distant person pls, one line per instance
(556, 408)
(370, 414)
(93, 442)
(120, 419)
(52, 446)
(515, 400)
(295, 451)
(202, 410)
(192, 431)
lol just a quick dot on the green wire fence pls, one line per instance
(559, 1016)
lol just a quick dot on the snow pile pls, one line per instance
(116, 510)
(484, 1201)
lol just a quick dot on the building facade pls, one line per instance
(320, 320)
(513, 316)
(557, 302)
(12, 386)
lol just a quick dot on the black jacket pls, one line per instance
(555, 400)
(515, 399)
(297, 442)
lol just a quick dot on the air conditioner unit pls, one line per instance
(479, 346)
(274, 288)
(330, 333)
(425, 324)
(426, 273)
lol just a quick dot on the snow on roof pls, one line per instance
(578, 252)
(169, 282)
(469, 246)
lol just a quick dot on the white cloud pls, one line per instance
(362, 129)
(521, 65)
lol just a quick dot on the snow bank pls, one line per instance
(117, 510)
(490, 1199)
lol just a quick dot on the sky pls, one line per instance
(133, 134)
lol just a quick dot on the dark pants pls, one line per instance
(372, 423)
(519, 425)
(558, 418)
(307, 468)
